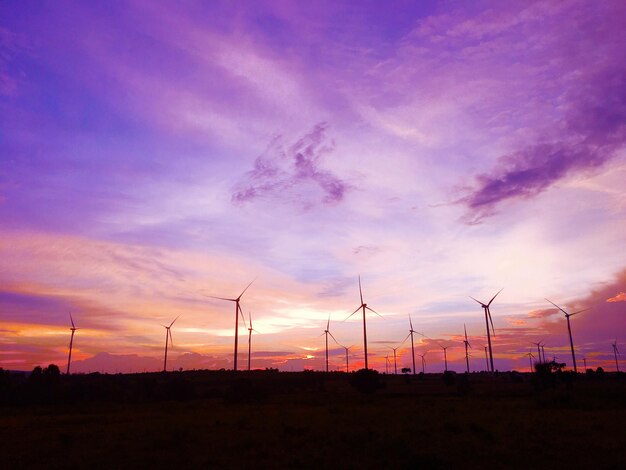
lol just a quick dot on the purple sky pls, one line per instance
(153, 153)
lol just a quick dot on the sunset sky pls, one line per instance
(156, 153)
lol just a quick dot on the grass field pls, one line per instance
(315, 420)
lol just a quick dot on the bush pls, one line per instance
(366, 381)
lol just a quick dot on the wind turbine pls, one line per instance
(467, 345)
(387, 364)
(237, 313)
(569, 330)
(423, 362)
(543, 352)
(411, 331)
(250, 330)
(585, 362)
(530, 360)
(615, 353)
(395, 363)
(486, 358)
(168, 336)
(539, 345)
(488, 319)
(69, 357)
(326, 333)
(364, 306)
(347, 364)
(445, 356)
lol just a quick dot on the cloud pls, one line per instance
(621, 297)
(588, 125)
(293, 172)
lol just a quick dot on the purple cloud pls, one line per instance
(293, 172)
(589, 129)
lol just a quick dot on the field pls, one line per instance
(267, 419)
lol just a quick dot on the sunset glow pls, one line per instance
(155, 154)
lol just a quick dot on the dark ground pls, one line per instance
(268, 419)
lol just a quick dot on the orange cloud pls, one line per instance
(621, 297)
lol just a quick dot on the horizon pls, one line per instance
(152, 156)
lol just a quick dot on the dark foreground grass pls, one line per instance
(492, 423)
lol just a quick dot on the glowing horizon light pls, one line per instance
(132, 188)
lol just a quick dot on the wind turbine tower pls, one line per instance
(69, 357)
(445, 356)
(250, 330)
(467, 345)
(569, 330)
(395, 361)
(411, 331)
(168, 336)
(616, 353)
(488, 320)
(364, 307)
(539, 346)
(237, 313)
(326, 333)
(423, 362)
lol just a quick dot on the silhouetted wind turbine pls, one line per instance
(530, 360)
(467, 345)
(364, 306)
(237, 313)
(168, 335)
(445, 356)
(539, 345)
(569, 329)
(395, 362)
(543, 353)
(585, 362)
(250, 330)
(615, 353)
(423, 362)
(488, 320)
(69, 357)
(347, 364)
(326, 333)
(387, 364)
(486, 358)
(411, 331)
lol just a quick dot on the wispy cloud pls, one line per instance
(588, 123)
(293, 172)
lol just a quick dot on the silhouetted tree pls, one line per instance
(406, 370)
(366, 380)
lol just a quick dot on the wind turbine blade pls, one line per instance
(372, 310)
(407, 337)
(244, 291)
(360, 291)
(250, 318)
(72, 320)
(476, 300)
(557, 306)
(243, 318)
(491, 321)
(331, 335)
(328, 323)
(465, 330)
(220, 298)
(174, 321)
(580, 311)
(410, 321)
(359, 308)
(494, 297)
(169, 333)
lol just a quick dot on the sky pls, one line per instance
(154, 154)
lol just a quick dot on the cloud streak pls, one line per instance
(590, 124)
(293, 173)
